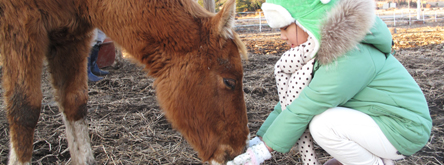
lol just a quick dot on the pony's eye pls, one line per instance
(230, 83)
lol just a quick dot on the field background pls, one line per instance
(127, 126)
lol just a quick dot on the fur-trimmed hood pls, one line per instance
(345, 25)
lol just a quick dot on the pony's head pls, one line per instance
(202, 93)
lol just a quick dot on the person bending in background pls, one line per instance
(94, 70)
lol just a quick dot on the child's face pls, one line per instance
(294, 35)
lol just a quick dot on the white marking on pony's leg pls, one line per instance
(215, 163)
(13, 160)
(306, 148)
(79, 142)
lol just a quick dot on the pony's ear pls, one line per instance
(224, 20)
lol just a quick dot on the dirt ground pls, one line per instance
(127, 126)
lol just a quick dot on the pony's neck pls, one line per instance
(147, 28)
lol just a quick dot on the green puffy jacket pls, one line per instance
(368, 79)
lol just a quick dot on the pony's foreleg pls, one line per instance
(78, 141)
(306, 148)
(22, 70)
(23, 110)
(67, 65)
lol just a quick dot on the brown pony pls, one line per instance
(194, 55)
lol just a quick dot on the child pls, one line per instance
(359, 103)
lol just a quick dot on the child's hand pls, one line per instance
(255, 155)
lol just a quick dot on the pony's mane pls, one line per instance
(241, 46)
(195, 9)
(198, 11)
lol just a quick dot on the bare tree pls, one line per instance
(210, 5)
